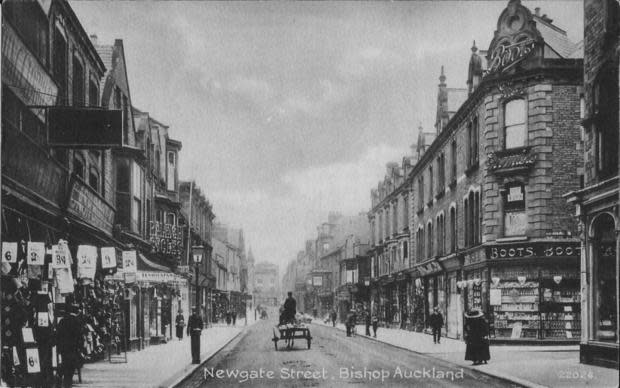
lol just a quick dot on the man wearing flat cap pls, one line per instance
(194, 329)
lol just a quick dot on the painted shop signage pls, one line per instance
(429, 268)
(534, 250)
(88, 206)
(505, 57)
(167, 239)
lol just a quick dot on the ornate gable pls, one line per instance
(515, 40)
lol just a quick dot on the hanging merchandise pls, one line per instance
(61, 257)
(557, 279)
(521, 279)
(64, 280)
(495, 280)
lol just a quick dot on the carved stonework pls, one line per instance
(516, 38)
(508, 90)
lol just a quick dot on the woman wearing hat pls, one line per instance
(476, 337)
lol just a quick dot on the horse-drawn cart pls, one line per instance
(289, 332)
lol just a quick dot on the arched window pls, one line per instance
(514, 124)
(603, 247)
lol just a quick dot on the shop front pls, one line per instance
(433, 282)
(454, 297)
(530, 292)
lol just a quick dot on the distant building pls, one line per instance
(267, 284)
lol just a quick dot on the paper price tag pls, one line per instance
(130, 261)
(60, 257)
(108, 257)
(54, 357)
(15, 356)
(43, 319)
(87, 256)
(32, 359)
(9, 252)
(35, 253)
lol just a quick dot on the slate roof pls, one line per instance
(555, 38)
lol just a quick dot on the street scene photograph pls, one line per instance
(310, 193)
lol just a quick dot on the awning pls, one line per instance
(145, 264)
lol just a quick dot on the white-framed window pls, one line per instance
(172, 167)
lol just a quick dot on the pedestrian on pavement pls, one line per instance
(333, 316)
(436, 321)
(194, 329)
(228, 317)
(351, 321)
(476, 337)
(234, 318)
(367, 321)
(375, 323)
(180, 324)
(69, 344)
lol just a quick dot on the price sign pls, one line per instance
(87, 256)
(15, 356)
(54, 357)
(43, 319)
(36, 253)
(9, 252)
(60, 257)
(108, 257)
(130, 263)
(32, 359)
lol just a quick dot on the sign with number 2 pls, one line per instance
(36, 253)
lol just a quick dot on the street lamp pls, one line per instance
(197, 255)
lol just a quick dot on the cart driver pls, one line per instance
(290, 309)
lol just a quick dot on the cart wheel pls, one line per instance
(309, 340)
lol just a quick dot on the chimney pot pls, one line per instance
(94, 39)
(537, 11)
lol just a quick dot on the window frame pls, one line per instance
(506, 127)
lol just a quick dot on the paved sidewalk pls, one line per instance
(157, 365)
(532, 366)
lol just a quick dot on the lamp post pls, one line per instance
(197, 255)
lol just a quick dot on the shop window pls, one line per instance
(515, 218)
(514, 123)
(605, 279)
(93, 179)
(60, 54)
(78, 82)
(78, 166)
(170, 219)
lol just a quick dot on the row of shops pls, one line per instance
(529, 292)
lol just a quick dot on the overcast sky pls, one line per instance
(288, 110)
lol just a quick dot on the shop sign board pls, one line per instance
(429, 268)
(90, 207)
(505, 57)
(87, 256)
(167, 239)
(60, 256)
(79, 127)
(155, 277)
(524, 250)
(317, 281)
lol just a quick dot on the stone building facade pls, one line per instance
(490, 229)
(597, 203)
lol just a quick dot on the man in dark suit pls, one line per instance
(68, 337)
(194, 329)
(290, 309)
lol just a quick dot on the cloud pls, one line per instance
(342, 186)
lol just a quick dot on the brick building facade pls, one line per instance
(597, 203)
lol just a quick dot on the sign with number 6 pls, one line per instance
(32, 356)
(9, 252)
(108, 257)
(35, 253)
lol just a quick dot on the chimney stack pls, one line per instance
(537, 11)
(94, 39)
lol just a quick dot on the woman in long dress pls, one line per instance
(476, 337)
(180, 323)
